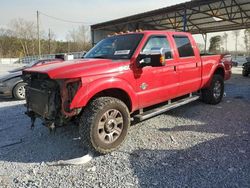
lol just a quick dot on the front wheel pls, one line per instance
(104, 124)
(19, 91)
(244, 73)
(215, 92)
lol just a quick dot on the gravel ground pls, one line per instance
(196, 145)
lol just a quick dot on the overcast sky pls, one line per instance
(87, 11)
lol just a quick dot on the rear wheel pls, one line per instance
(19, 91)
(104, 124)
(215, 92)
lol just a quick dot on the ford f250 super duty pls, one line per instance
(125, 77)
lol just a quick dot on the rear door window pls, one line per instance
(184, 46)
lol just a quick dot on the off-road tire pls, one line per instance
(90, 119)
(209, 95)
(244, 73)
(19, 92)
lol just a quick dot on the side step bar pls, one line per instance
(162, 109)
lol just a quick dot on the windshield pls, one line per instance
(32, 63)
(116, 47)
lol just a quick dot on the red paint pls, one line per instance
(178, 77)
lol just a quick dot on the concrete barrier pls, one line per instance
(8, 61)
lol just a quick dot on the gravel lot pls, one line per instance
(196, 145)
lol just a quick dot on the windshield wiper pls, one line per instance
(101, 57)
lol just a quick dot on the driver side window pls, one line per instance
(156, 43)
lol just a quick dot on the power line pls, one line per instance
(64, 20)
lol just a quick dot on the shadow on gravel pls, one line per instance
(221, 161)
(7, 99)
(18, 143)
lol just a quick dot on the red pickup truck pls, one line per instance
(125, 77)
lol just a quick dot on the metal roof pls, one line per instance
(197, 16)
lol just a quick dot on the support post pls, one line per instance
(38, 33)
(49, 42)
(93, 37)
(185, 20)
(205, 48)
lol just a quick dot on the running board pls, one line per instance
(162, 109)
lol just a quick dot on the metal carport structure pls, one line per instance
(197, 17)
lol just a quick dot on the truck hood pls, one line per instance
(79, 68)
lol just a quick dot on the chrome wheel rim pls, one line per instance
(110, 126)
(21, 91)
(217, 89)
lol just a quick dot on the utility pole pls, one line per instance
(38, 33)
(205, 50)
(49, 41)
(204, 35)
(236, 46)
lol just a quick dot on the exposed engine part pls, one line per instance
(68, 91)
(33, 119)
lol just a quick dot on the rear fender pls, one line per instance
(207, 81)
(88, 91)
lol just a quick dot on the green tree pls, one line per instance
(215, 44)
(247, 40)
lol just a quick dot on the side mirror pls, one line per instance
(154, 58)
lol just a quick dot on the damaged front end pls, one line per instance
(49, 99)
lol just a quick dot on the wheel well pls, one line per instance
(220, 71)
(116, 93)
(12, 90)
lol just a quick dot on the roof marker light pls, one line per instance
(217, 19)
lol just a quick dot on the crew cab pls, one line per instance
(125, 77)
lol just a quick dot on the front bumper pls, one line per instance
(228, 74)
(5, 91)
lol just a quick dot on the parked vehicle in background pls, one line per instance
(129, 76)
(12, 85)
(29, 59)
(246, 69)
(235, 63)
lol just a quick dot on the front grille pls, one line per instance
(42, 96)
(38, 101)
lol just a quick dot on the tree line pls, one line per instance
(217, 42)
(20, 40)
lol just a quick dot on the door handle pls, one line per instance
(174, 68)
(196, 64)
